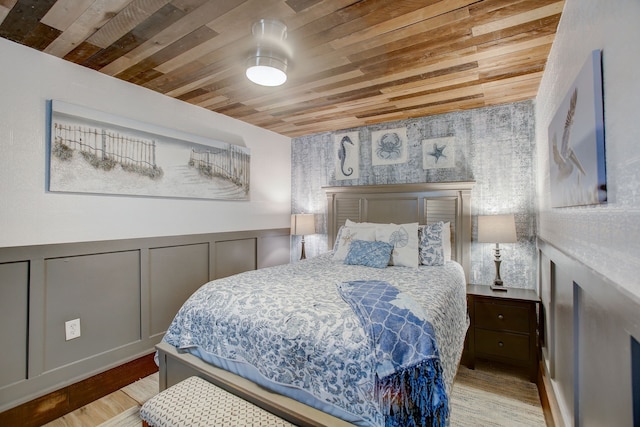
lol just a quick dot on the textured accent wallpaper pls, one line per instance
(493, 146)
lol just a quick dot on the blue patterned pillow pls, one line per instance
(431, 246)
(369, 254)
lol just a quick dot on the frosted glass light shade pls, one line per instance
(266, 75)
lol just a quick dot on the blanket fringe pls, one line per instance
(414, 396)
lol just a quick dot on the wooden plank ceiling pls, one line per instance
(353, 62)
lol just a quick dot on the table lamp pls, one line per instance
(497, 229)
(301, 225)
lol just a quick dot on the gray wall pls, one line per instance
(495, 148)
(125, 293)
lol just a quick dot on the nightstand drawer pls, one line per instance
(502, 344)
(502, 317)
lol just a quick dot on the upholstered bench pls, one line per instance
(196, 402)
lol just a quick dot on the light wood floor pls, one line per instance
(486, 396)
(121, 404)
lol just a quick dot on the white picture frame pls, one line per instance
(389, 146)
(439, 153)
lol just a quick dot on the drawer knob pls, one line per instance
(500, 316)
(500, 344)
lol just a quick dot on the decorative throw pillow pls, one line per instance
(370, 254)
(348, 235)
(431, 244)
(404, 239)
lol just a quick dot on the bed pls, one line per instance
(302, 309)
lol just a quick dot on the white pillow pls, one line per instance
(404, 238)
(350, 223)
(349, 234)
(446, 241)
(335, 243)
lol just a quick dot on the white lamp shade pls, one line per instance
(497, 229)
(303, 224)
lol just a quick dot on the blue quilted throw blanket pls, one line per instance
(409, 383)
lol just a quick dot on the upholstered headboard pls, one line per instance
(424, 203)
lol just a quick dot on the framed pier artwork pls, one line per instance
(99, 153)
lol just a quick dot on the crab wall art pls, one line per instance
(389, 146)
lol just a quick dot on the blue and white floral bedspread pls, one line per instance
(292, 325)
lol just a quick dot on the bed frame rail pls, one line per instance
(176, 366)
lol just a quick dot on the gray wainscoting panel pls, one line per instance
(125, 293)
(235, 256)
(604, 368)
(103, 291)
(272, 250)
(563, 329)
(14, 305)
(635, 380)
(589, 326)
(175, 273)
(546, 293)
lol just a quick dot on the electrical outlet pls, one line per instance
(72, 329)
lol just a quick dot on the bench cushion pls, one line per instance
(196, 402)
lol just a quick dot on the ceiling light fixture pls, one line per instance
(267, 64)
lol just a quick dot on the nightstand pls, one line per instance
(504, 327)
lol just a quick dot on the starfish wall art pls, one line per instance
(439, 153)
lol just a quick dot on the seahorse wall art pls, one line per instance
(347, 147)
(342, 155)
